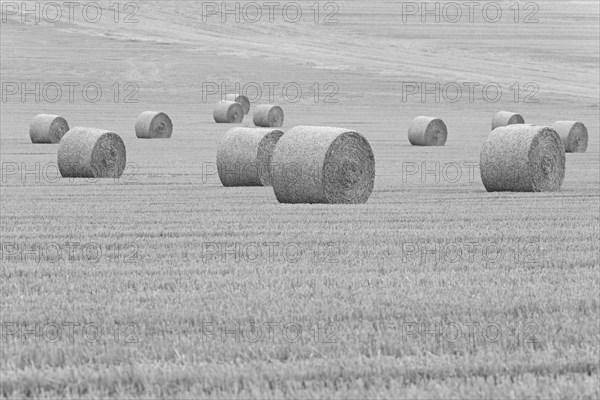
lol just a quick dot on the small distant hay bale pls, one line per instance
(91, 153)
(153, 125)
(238, 98)
(523, 158)
(228, 112)
(573, 134)
(46, 128)
(317, 164)
(427, 131)
(504, 118)
(268, 116)
(244, 156)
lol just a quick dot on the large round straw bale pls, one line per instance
(238, 98)
(427, 131)
(504, 118)
(244, 156)
(91, 153)
(315, 164)
(46, 128)
(228, 112)
(523, 158)
(153, 125)
(268, 115)
(573, 134)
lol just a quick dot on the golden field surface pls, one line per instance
(164, 283)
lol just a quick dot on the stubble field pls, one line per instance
(163, 283)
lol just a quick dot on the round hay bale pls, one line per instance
(268, 116)
(244, 156)
(228, 112)
(573, 134)
(46, 128)
(427, 131)
(153, 125)
(504, 118)
(238, 98)
(523, 158)
(91, 153)
(317, 164)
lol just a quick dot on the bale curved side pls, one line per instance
(522, 158)
(228, 112)
(238, 98)
(47, 128)
(573, 134)
(91, 153)
(504, 118)
(313, 164)
(427, 131)
(244, 156)
(153, 125)
(268, 116)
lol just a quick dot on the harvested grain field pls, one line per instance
(164, 283)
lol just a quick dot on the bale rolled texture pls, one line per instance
(91, 153)
(427, 131)
(153, 125)
(504, 118)
(268, 116)
(228, 112)
(573, 134)
(313, 164)
(46, 128)
(523, 158)
(244, 156)
(238, 98)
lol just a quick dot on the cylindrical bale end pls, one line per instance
(523, 158)
(427, 131)
(91, 153)
(228, 112)
(316, 164)
(573, 134)
(504, 118)
(238, 98)
(46, 128)
(268, 116)
(153, 125)
(244, 156)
